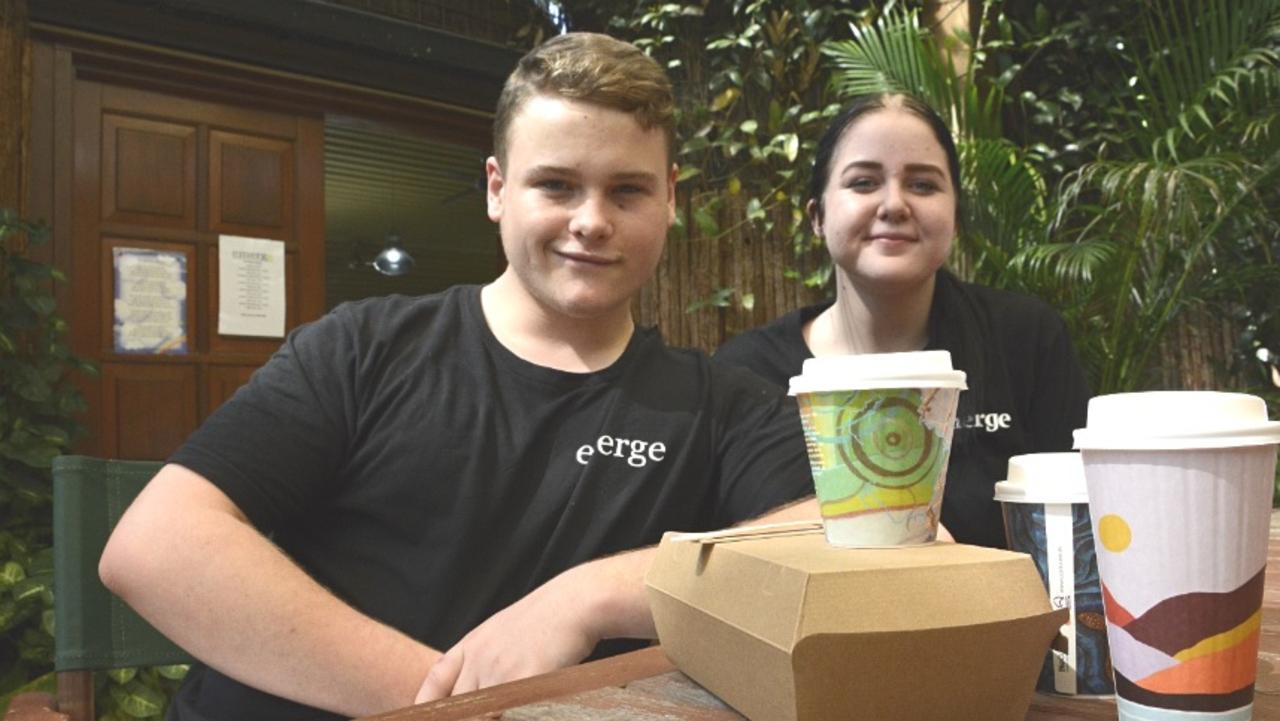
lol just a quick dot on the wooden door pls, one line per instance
(162, 173)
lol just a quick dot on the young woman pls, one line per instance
(885, 196)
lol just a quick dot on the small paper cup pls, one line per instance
(878, 429)
(1046, 515)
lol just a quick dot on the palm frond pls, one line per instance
(895, 54)
(1152, 190)
(887, 56)
(1065, 263)
(1005, 197)
(1207, 58)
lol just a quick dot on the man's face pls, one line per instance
(583, 202)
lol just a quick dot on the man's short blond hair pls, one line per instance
(592, 68)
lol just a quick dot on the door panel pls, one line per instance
(149, 408)
(148, 172)
(166, 173)
(250, 185)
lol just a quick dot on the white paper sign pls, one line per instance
(250, 286)
(150, 301)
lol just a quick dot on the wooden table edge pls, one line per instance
(614, 671)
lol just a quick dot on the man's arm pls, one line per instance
(561, 621)
(187, 559)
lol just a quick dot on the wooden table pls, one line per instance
(645, 686)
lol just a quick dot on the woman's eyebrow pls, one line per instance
(924, 168)
(876, 165)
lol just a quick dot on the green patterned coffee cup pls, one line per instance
(878, 429)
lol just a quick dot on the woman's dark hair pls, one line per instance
(864, 104)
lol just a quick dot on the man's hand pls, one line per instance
(557, 625)
(561, 621)
(541, 632)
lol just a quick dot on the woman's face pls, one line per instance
(889, 208)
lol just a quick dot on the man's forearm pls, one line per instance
(219, 589)
(615, 605)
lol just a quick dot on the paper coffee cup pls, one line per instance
(878, 429)
(1180, 487)
(1046, 515)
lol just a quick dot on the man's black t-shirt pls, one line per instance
(413, 465)
(1027, 392)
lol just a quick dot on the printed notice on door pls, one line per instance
(250, 286)
(150, 301)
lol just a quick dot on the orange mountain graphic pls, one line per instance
(1222, 672)
(1212, 636)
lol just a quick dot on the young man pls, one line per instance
(410, 475)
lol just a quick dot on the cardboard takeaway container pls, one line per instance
(791, 629)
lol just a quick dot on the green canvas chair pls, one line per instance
(94, 630)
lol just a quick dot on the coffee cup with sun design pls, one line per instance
(1180, 486)
(878, 431)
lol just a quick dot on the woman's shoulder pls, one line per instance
(1006, 310)
(774, 351)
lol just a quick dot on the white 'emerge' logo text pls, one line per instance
(637, 453)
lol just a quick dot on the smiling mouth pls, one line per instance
(893, 237)
(586, 258)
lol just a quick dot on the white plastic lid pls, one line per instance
(1044, 478)
(1164, 420)
(917, 369)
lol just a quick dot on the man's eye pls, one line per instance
(631, 190)
(552, 186)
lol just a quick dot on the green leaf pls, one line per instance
(748, 126)
(138, 700)
(122, 676)
(725, 99)
(706, 221)
(748, 301)
(36, 455)
(688, 171)
(720, 298)
(694, 144)
(791, 146)
(29, 588)
(174, 673)
(42, 304)
(11, 573)
(819, 277)
(52, 434)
